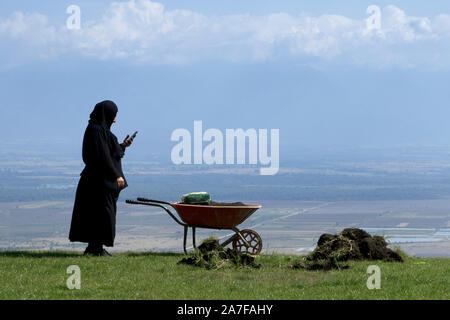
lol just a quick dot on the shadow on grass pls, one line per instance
(153, 254)
(75, 254)
(40, 254)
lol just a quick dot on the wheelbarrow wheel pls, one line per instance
(253, 239)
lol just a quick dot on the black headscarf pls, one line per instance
(104, 114)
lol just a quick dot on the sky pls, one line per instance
(313, 69)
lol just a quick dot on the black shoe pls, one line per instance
(92, 252)
(94, 249)
(105, 254)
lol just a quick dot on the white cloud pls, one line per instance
(144, 32)
(28, 31)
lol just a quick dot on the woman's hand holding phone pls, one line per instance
(128, 141)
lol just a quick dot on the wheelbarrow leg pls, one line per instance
(184, 239)
(229, 240)
(193, 237)
(237, 234)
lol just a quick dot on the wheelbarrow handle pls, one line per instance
(157, 205)
(155, 201)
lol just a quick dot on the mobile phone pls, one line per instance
(134, 135)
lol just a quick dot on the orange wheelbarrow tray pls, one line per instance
(212, 217)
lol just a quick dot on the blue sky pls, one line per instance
(350, 8)
(308, 68)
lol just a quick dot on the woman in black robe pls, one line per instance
(94, 212)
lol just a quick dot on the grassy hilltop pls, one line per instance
(151, 275)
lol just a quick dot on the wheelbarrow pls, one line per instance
(212, 217)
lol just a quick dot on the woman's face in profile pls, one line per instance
(114, 121)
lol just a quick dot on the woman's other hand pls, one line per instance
(121, 182)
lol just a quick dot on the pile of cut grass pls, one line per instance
(333, 251)
(211, 255)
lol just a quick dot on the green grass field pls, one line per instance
(150, 275)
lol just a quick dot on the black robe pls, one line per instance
(94, 212)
